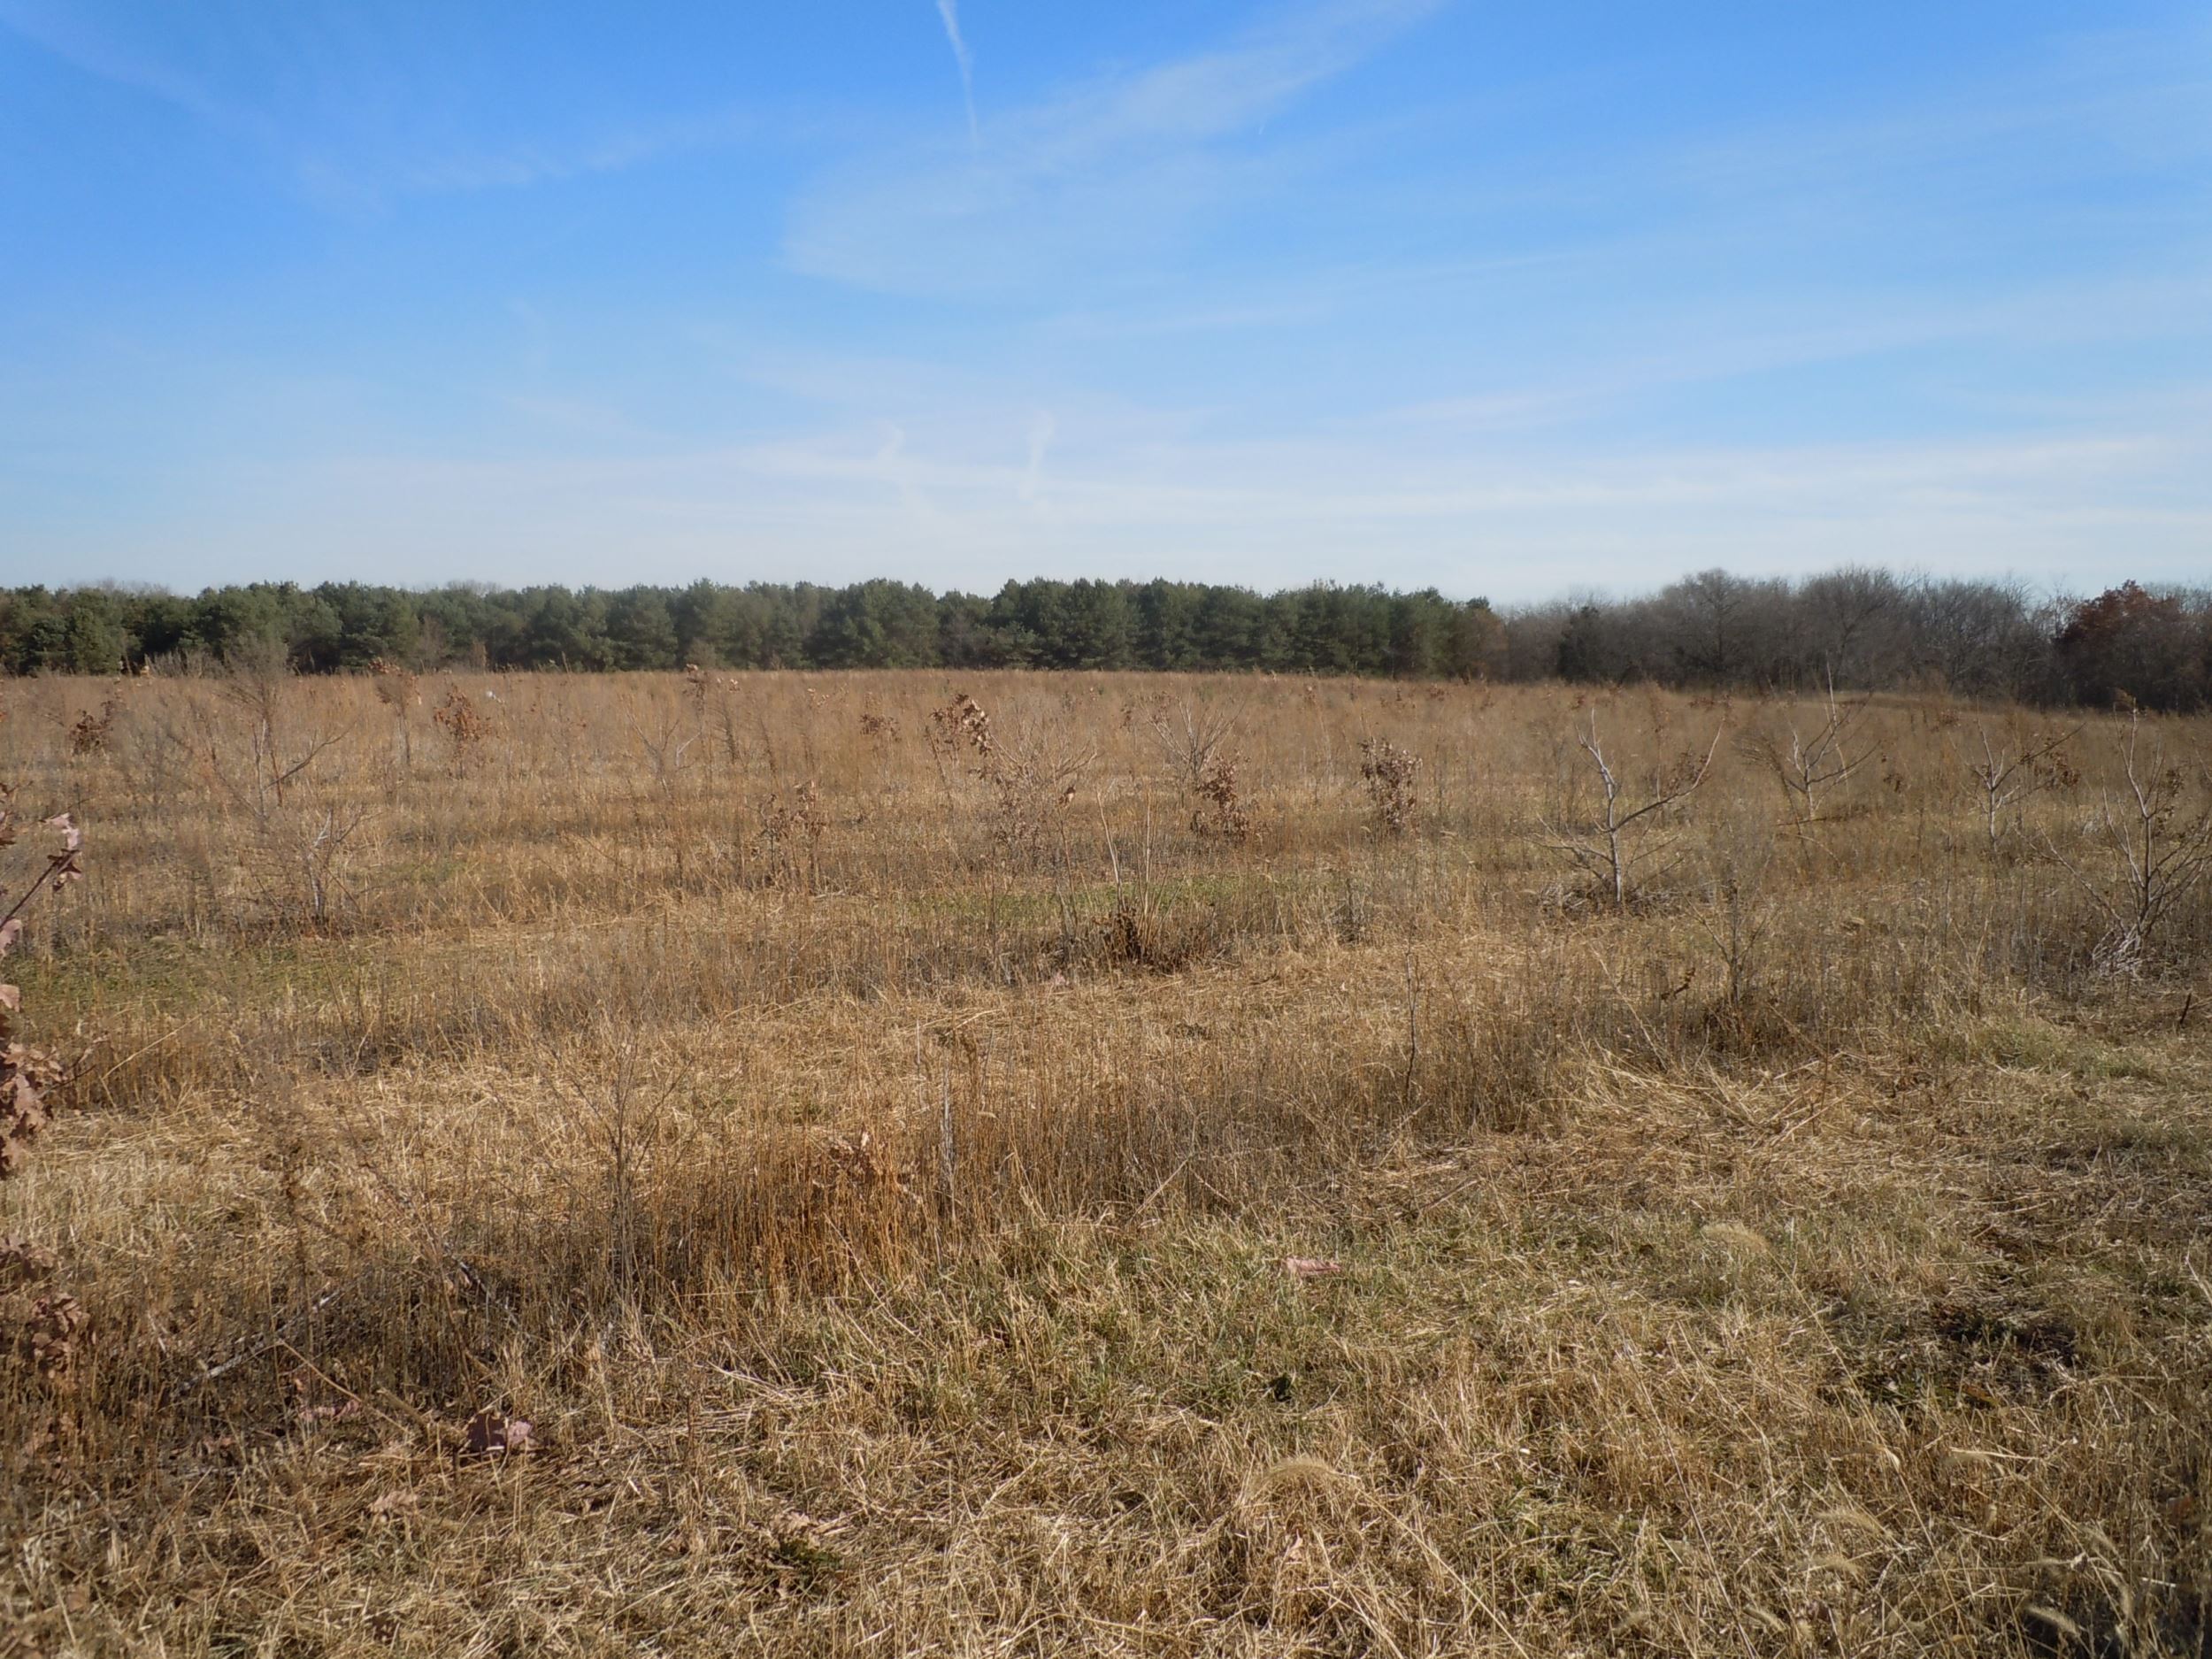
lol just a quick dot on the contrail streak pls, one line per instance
(949, 11)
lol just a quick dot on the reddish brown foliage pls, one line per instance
(2132, 648)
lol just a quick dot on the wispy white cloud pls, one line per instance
(1083, 179)
(1042, 429)
(1684, 347)
(313, 100)
(949, 11)
(968, 506)
(545, 162)
(79, 42)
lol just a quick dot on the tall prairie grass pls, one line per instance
(857, 1117)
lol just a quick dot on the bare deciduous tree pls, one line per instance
(1609, 846)
(1191, 740)
(2009, 771)
(1811, 763)
(2157, 853)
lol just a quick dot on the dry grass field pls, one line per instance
(811, 1165)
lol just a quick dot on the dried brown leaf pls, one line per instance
(490, 1434)
(23, 1262)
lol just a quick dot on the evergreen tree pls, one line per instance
(640, 633)
(92, 638)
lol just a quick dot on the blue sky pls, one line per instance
(1507, 299)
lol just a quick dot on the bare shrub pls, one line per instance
(667, 748)
(1810, 762)
(1740, 914)
(626, 1119)
(1625, 835)
(786, 849)
(1190, 737)
(697, 683)
(396, 687)
(1221, 810)
(42, 1329)
(2020, 765)
(93, 730)
(300, 835)
(464, 725)
(962, 727)
(1194, 743)
(45, 1334)
(399, 690)
(1388, 772)
(714, 706)
(2154, 849)
(29, 1074)
(1032, 777)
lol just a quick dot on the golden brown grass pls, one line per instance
(866, 1146)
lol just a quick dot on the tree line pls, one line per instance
(341, 626)
(1856, 628)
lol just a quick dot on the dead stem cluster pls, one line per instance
(1037, 1164)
